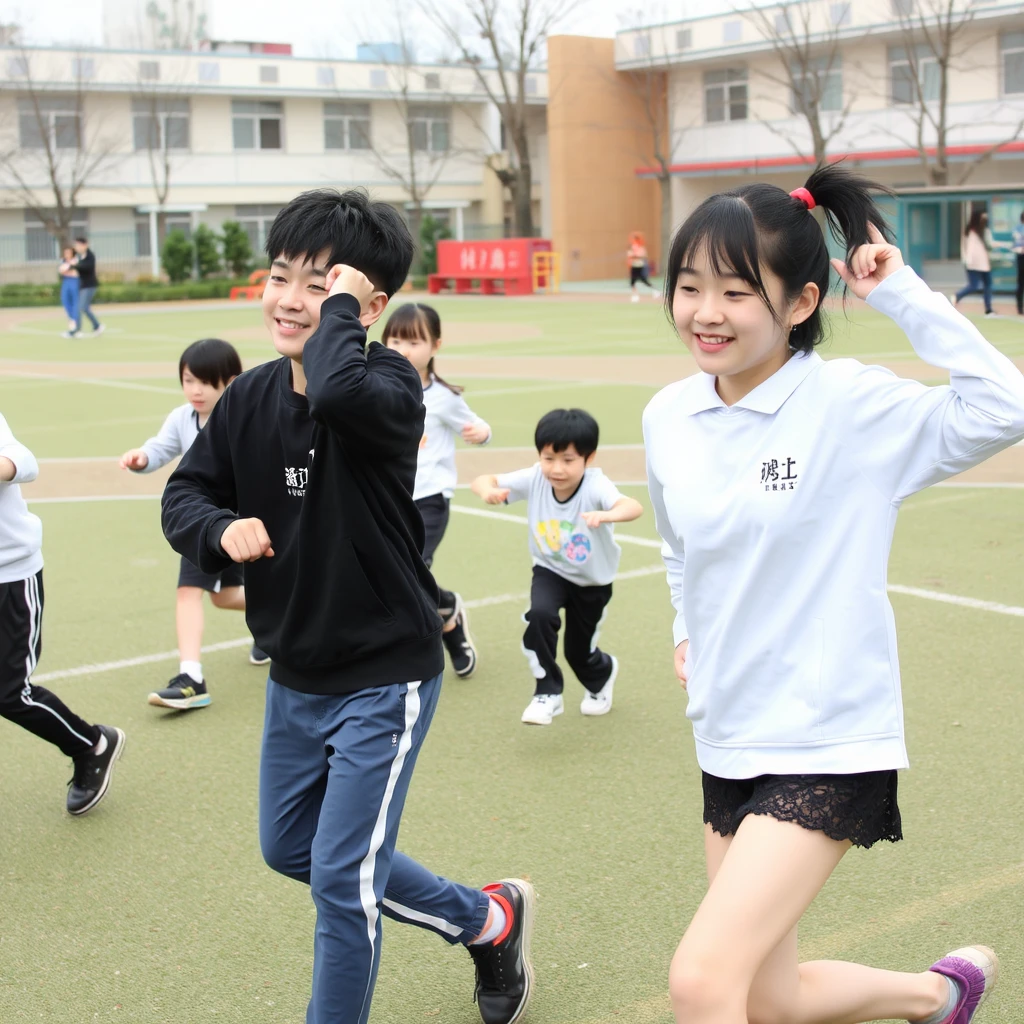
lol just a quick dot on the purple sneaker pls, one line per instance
(975, 969)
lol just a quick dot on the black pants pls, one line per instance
(639, 274)
(435, 510)
(1020, 283)
(584, 610)
(27, 705)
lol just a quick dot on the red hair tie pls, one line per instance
(804, 196)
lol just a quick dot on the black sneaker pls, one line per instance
(91, 780)
(181, 693)
(257, 656)
(504, 974)
(459, 642)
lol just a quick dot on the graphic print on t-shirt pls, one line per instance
(564, 539)
(297, 477)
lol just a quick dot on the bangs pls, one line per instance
(722, 229)
(409, 322)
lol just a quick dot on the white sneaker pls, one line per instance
(635, 298)
(543, 708)
(600, 703)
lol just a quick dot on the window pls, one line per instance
(256, 220)
(268, 74)
(1011, 46)
(53, 118)
(817, 84)
(83, 68)
(531, 85)
(149, 70)
(378, 78)
(209, 71)
(325, 77)
(346, 126)
(783, 26)
(256, 124)
(839, 13)
(40, 245)
(160, 123)
(684, 38)
(17, 67)
(430, 128)
(431, 80)
(913, 76)
(902, 8)
(732, 31)
(725, 95)
(641, 46)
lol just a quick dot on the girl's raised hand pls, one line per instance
(136, 460)
(475, 433)
(870, 264)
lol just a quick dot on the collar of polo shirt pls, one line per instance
(767, 397)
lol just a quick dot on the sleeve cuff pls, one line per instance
(340, 303)
(679, 630)
(214, 533)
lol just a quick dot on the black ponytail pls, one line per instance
(418, 320)
(760, 225)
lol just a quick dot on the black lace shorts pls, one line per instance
(861, 807)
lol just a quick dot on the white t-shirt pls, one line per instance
(559, 538)
(180, 429)
(777, 515)
(447, 414)
(21, 532)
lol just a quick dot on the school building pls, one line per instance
(160, 140)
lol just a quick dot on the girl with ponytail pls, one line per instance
(775, 479)
(414, 330)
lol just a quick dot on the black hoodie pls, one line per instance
(346, 601)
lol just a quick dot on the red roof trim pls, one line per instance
(867, 156)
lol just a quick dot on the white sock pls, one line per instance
(496, 927)
(102, 745)
(942, 1015)
(192, 669)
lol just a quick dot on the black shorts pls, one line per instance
(435, 511)
(638, 274)
(860, 807)
(190, 576)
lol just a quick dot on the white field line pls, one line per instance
(97, 381)
(963, 602)
(245, 641)
(89, 498)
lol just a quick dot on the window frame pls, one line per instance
(34, 227)
(152, 112)
(1010, 51)
(831, 76)
(349, 115)
(718, 79)
(52, 109)
(919, 87)
(257, 121)
(436, 119)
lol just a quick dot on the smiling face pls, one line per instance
(729, 329)
(418, 350)
(291, 301)
(201, 395)
(563, 470)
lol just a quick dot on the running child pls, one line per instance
(93, 748)
(571, 506)
(775, 479)
(414, 330)
(69, 286)
(304, 475)
(205, 369)
(636, 257)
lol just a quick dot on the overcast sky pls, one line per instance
(334, 32)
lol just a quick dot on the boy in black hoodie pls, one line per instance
(304, 473)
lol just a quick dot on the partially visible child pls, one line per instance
(205, 369)
(414, 330)
(571, 506)
(69, 286)
(92, 748)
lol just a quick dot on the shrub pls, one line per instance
(431, 232)
(207, 243)
(177, 256)
(238, 252)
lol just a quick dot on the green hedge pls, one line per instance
(49, 295)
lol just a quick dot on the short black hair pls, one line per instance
(355, 229)
(563, 427)
(213, 361)
(84, 241)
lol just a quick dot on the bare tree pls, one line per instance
(56, 153)
(174, 25)
(809, 71)
(935, 43)
(512, 33)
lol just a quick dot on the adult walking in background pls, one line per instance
(86, 267)
(979, 267)
(69, 286)
(1018, 248)
(636, 256)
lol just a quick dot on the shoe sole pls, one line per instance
(257, 662)
(460, 609)
(202, 701)
(529, 899)
(531, 721)
(118, 751)
(609, 686)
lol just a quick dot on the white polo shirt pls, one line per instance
(777, 515)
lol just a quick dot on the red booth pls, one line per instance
(500, 265)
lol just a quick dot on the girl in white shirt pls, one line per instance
(977, 243)
(775, 479)
(415, 330)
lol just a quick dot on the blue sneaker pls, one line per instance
(181, 693)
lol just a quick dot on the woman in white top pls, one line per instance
(976, 259)
(415, 330)
(775, 478)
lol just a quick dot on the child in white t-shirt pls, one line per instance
(571, 507)
(414, 330)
